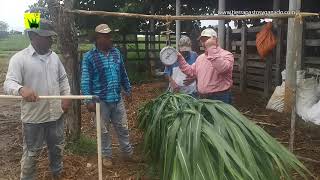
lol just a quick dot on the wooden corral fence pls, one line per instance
(250, 71)
(311, 51)
(142, 49)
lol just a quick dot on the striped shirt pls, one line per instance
(103, 75)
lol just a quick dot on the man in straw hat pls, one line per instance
(37, 71)
(175, 76)
(213, 69)
(104, 75)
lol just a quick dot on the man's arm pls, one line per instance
(13, 82)
(222, 63)
(87, 81)
(86, 77)
(189, 70)
(125, 83)
(14, 79)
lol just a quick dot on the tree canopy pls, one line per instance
(162, 7)
(4, 26)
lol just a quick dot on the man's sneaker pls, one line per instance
(107, 162)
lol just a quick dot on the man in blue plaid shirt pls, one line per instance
(104, 75)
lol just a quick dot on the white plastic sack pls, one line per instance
(276, 101)
(283, 74)
(178, 76)
(313, 114)
(307, 95)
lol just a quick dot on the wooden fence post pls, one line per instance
(243, 59)
(148, 63)
(228, 39)
(124, 45)
(268, 75)
(279, 49)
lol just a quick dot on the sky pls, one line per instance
(209, 22)
(12, 11)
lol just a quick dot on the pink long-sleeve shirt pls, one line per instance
(212, 71)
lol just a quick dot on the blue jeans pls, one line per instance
(225, 97)
(34, 136)
(114, 113)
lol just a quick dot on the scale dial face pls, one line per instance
(168, 55)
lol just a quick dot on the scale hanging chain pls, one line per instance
(168, 23)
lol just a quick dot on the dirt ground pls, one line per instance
(307, 142)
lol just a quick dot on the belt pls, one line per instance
(213, 94)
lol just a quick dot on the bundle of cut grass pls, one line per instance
(209, 140)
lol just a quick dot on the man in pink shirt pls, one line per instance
(212, 70)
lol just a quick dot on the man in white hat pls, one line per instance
(175, 76)
(104, 75)
(38, 71)
(213, 69)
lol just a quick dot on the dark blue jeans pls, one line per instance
(225, 97)
(115, 114)
(34, 136)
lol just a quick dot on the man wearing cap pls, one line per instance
(213, 69)
(32, 72)
(104, 75)
(175, 76)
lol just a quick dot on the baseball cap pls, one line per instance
(209, 32)
(185, 43)
(45, 28)
(103, 28)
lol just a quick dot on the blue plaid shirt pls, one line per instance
(103, 74)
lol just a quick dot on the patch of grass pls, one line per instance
(85, 47)
(84, 146)
(14, 43)
(6, 56)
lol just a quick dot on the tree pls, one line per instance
(4, 26)
(68, 46)
(42, 7)
(162, 7)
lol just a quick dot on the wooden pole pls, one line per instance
(221, 25)
(75, 97)
(268, 75)
(243, 59)
(293, 58)
(277, 25)
(153, 56)
(293, 62)
(98, 117)
(276, 5)
(279, 49)
(190, 18)
(228, 39)
(292, 127)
